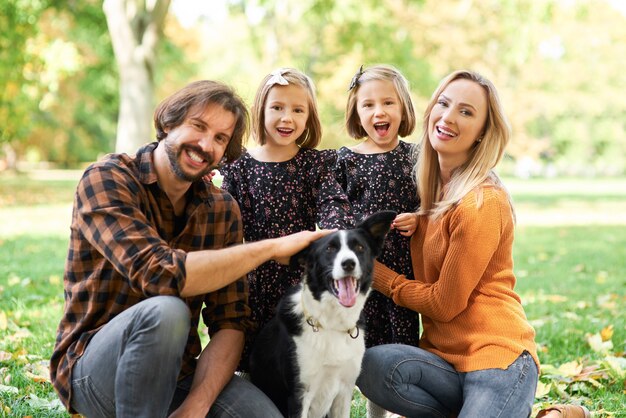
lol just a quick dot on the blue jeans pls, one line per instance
(130, 368)
(416, 383)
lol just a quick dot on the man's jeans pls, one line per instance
(130, 367)
(416, 383)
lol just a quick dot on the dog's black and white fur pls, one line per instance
(308, 357)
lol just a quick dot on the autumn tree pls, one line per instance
(135, 27)
(19, 94)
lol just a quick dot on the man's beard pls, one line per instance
(174, 154)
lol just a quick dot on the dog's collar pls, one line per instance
(315, 324)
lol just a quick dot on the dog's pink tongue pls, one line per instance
(347, 296)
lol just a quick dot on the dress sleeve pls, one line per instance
(333, 208)
(474, 236)
(229, 179)
(110, 214)
(339, 170)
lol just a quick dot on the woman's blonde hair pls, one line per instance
(401, 85)
(483, 157)
(312, 134)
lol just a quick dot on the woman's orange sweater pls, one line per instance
(463, 287)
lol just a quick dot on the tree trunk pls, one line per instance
(135, 27)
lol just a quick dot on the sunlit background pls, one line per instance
(558, 64)
(67, 68)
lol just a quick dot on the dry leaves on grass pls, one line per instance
(37, 372)
(576, 381)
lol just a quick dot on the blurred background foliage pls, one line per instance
(558, 64)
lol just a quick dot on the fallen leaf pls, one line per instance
(13, 280)
(542, 389)
(54, 279)
(607, 333)
(607, 301)
(555, 298)
(4, 323)
(19, 335)
(597, 345)
(36, 402)
(571, 316)
(36, 378)
(548, 369)
(601, 277)
(9, 389)
(617, 365)
(582, 304)
(38, 372)
(570, 369)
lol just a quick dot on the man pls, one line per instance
(151, 243)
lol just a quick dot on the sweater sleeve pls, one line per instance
(449, 274)
(384, 278)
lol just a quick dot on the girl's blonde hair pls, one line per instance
(401, 85)
(312, 134)
(483, 157)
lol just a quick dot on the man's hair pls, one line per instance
(196, 96)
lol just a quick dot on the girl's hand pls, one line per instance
(405, 223)
(209, 177)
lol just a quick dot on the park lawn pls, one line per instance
(571, 278)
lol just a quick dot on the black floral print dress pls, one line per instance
(375, 182)
(278, 199)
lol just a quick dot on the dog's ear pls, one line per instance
(377, 226)
(299, 259)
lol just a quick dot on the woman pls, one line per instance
(477, 354)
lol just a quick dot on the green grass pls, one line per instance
(572, 280)
(570, 260)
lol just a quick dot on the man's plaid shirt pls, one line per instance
(125, 246)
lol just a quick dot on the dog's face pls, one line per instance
(342, 263)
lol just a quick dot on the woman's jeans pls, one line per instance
(130, 367)
(416, 383)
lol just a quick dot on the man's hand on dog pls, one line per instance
(285, 247)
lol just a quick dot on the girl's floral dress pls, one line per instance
(278, 199)
(375, 182)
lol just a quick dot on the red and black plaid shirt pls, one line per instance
(126, 245)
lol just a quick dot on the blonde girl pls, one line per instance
(376, 175)
(284, 185)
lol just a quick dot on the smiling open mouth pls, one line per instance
(194, 156)
(443, 131)
(345, 290)
(381, 128)
(285, 131)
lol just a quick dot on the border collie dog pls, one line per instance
(308, 357)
